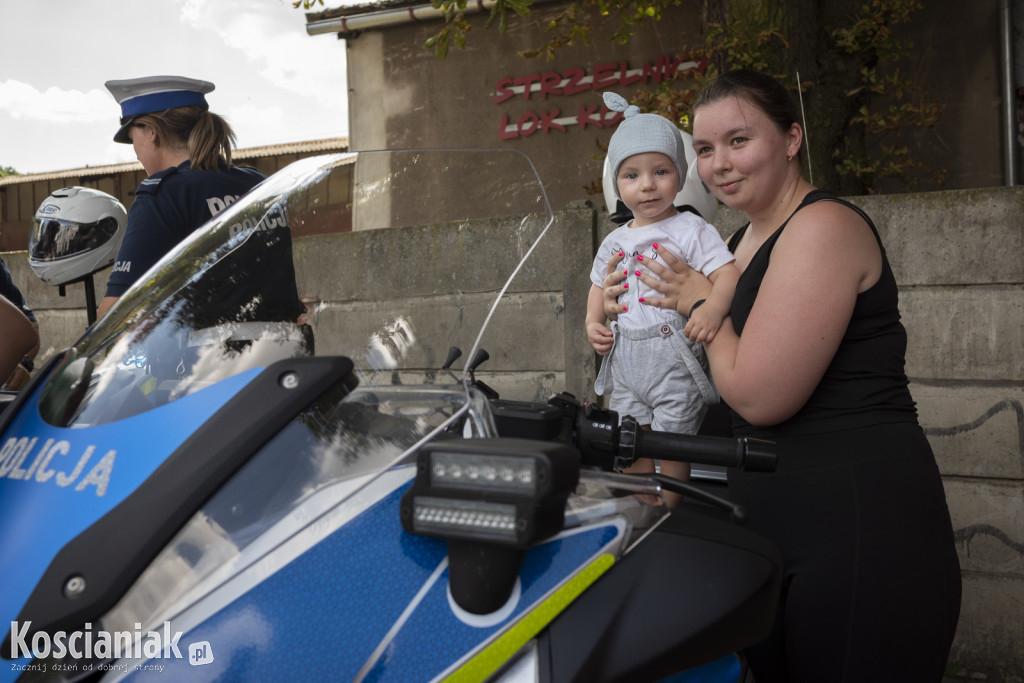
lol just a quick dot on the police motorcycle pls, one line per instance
(219, 482)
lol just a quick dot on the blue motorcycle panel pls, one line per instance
(337, 611)
(55, 482)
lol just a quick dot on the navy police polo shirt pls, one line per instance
(10, 291)
(168, 206)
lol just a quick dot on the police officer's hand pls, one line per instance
(18, 379)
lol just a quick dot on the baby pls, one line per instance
(653, 372)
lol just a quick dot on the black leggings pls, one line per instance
(871, 586)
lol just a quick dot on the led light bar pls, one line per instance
(510, 492)
(490, 500)
(495, 472)
(477, 519)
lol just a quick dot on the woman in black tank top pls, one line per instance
(814, 359)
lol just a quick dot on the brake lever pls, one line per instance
(737, 512)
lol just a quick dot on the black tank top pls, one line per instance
(866, 382)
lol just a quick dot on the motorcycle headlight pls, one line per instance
(510, 492)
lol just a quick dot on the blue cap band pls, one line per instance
(159, 101)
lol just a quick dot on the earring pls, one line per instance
(789, 158)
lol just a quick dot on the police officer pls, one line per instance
(8, 290)
(186, 151)
(18, 339)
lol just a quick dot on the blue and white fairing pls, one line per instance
(57, 481)
(195, 479)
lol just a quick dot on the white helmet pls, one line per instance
(76, 231)
(693, 195)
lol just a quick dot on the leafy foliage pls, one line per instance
(570, 27)
(741, 43)
(902, 104)
(864, 145)
(456, 26)
(7, 170)
(874, 114)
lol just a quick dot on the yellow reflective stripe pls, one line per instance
(507, 644)
(149, 386)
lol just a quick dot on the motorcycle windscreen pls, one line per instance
(249, 290)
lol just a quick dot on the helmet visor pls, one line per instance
(54, 238)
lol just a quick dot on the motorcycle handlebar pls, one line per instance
(752, 455)
(604, 442)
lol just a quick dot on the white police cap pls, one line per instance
(150, 94)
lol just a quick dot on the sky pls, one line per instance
(274, 83)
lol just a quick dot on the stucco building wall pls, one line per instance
(401, 95)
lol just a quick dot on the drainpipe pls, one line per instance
(387, 17)
(1009, 93)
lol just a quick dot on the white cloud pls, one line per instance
(275, 83)
(54, 105)
(291, 61)
(116, 152)
(248, 117)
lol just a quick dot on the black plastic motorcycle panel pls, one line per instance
(711, 588)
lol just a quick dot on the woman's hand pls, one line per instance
(612, 289)
(681, 285)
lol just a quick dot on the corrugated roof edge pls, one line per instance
(322, 145)
(361, 8)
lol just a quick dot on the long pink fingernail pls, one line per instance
(640, 299)
(655, 245)
(638, 273)
(639, 258)
(625, 308)
(620, 253)
(625, 286)
(625, 272)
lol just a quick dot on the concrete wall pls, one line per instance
(958, 259)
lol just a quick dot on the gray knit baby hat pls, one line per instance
(639, 133)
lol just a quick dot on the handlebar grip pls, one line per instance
(761, 455)
(752, 455)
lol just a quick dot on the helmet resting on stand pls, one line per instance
(76, 231)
